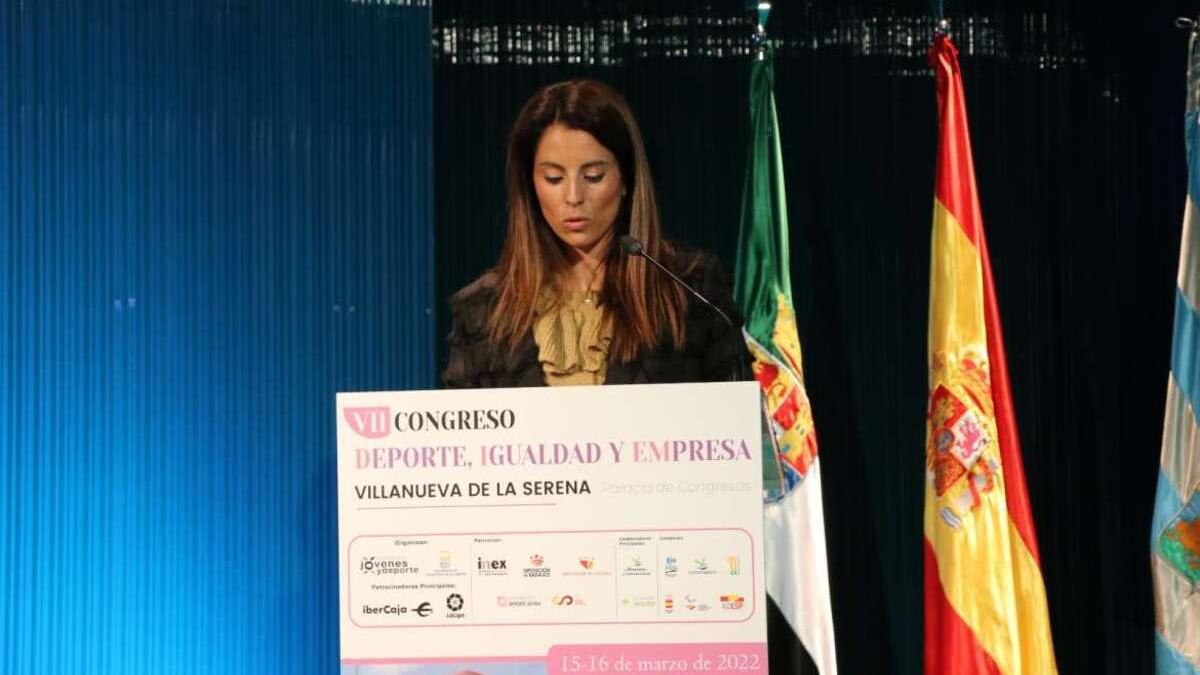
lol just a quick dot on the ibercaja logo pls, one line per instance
(369, 421)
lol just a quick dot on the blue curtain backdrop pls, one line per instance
(214, 214)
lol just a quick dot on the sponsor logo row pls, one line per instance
(688, 602)
(455, 604)
(536, 567)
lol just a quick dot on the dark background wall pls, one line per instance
(1077, 120)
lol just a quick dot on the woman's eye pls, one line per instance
(594, 178)
(553, 180)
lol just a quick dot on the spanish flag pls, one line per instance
(985, 602)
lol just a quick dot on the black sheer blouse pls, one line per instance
(711, 350)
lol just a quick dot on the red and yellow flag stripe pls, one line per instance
(985, 601)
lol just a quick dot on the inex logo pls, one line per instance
(368, 421)
(487, 566)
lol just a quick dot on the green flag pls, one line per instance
(762, 284)
(794, 522)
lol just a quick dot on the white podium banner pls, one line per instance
(552, 530)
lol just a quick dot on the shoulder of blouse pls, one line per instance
(471, 305)
(703, 271)
(691, 264)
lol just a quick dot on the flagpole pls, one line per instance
(938, 8)
(759, 39)
(942, 27)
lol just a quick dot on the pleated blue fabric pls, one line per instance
(214, 214)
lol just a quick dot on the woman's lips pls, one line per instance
(575, 224)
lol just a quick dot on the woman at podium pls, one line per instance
(566, 304)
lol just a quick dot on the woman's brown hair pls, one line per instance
(640, 305)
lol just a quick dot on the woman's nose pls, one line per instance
(574, 193)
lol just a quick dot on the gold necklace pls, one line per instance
(590, 294)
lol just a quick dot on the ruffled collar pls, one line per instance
(573, 338)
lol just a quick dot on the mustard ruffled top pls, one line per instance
(573, 339)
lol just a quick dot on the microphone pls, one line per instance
(632, 247)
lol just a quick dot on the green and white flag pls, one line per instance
(797, 571)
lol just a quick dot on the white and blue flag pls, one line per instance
(1175, 539)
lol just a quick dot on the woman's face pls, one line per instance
(579, 188)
